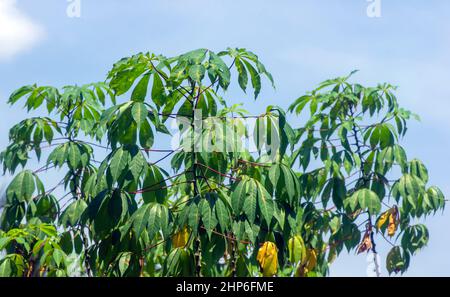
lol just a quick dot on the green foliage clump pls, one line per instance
(288, 210)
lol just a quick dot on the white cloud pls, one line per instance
(18, 33)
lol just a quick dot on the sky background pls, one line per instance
(301, 43)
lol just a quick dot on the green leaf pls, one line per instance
(242, 74)
(21, 187)
(339, 192)
(193, 216)
(207, 215)
(139, 112)
(297, 249)
(137, 165)
(397, 260)
(237, 196)
(369, 200)
(147, 217)
(7, 268)
(146, 137)
(218, 68)
(222, 213)
(140, 91)
(158, 95)
(250, 202)
(74, 155)
(414, 238)
(417, 168)
(386, 136)
(58, 256)
(19, 93)
(195, 56)
(265, 204)
(72, 214)
(410, 187)
(197, 72)
(118, 163)
(255, 78)
(155, 188)
(48, 229)
(139, 218)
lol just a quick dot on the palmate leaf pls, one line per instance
(23, 186)
(222, 209)
(109, 210)
(433, 199)
(155, 187)
(218, 68)
(365, 199)
(44, 207)
(151, 218)
(197, 72)
(77, 155)
(179, 262)
(417, 168)
(194, 57)
(122, 164)
(397, 260)
(409, 187)
(414, 238)
(251, 198)
(126, 71)
(26, 136)
(369, 200)
(22, 91)
(118, 163)
(126, 120)
(73, 213)
(285, 182)
(207, 213)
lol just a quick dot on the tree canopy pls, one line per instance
(333, 179)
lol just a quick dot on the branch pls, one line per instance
(220, 173)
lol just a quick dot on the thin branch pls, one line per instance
(220, 173)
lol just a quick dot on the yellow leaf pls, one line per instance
(392, 227)
(268, 258)
(383, 218)
(308, 264)
(180, 238)
(392, 217)
(311, 259)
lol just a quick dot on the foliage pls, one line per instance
(287, 210)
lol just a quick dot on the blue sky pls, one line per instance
(301, 43)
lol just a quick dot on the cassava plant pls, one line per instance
(334, 177)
